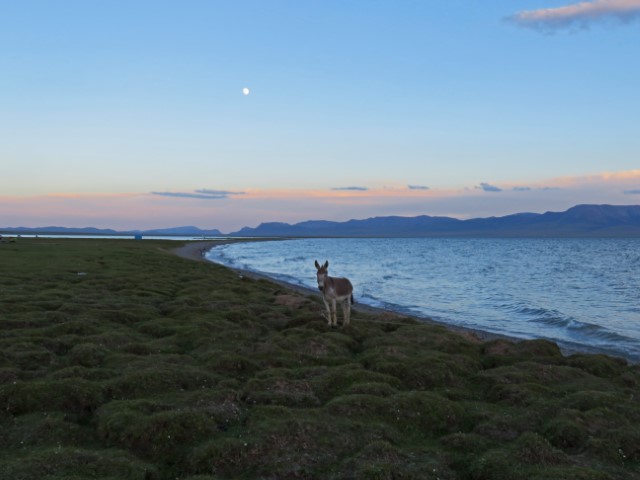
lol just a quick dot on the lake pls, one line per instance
(581, 293)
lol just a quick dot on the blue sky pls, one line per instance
(128, 114)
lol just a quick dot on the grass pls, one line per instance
(119, 360)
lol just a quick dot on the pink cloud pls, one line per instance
(581, 14)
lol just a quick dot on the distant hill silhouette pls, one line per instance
(578, 221)
(175, 231)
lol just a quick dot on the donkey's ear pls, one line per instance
(317, 265)
(326, 264)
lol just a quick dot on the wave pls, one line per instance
(572, 327)
(297, 259)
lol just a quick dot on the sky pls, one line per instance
(132, 115)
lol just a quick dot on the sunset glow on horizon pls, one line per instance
(231, 212)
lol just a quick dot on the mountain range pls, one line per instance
(578, 221)
(175, 231)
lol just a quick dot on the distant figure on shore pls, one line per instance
(334, 289)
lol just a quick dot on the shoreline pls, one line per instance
(196, 251)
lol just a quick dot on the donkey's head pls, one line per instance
(322, 273)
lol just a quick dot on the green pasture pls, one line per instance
(119, 360)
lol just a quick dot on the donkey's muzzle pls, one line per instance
(320, 288)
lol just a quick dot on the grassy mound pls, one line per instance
(119, 360)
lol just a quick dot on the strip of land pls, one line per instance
(197, 250)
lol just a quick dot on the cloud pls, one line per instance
(519, 188)
(225, 193)
(417, 187)
(581, 14)
(488, 188)
(632, 192)
(189, 195)
(358, 189)
(203, 193)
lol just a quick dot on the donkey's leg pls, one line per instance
(346, 311)
(328, 312)
(334, 313)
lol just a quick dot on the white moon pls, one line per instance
(245, 91)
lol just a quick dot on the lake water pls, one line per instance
(580, 293)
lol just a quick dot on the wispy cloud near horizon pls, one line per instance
(189, 195)
(418, 187)
(203, 193)
(226, 193)
(488, 188)
(353, 189)
(581, 14)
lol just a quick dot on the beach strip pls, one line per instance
(196, 251)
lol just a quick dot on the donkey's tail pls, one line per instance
(352, 302)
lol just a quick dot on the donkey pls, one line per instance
(334, 290)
